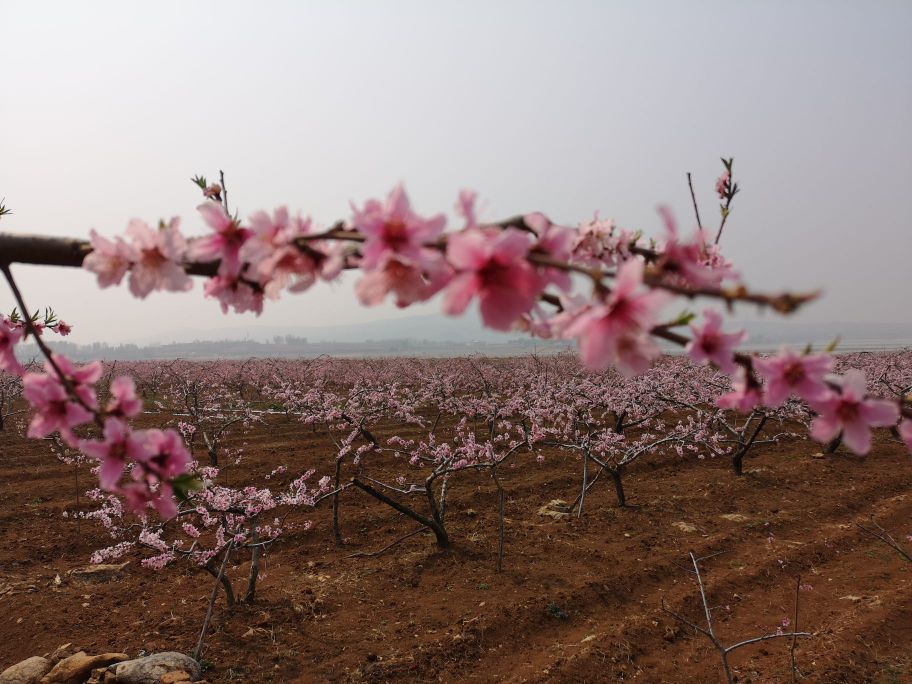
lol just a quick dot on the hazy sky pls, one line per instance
(107, 109)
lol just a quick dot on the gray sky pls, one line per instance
(107, 109)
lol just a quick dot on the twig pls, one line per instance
(795, 627)
(884, 536)
(374, 554)
(709, 633)
(215, 587)
(694, 198)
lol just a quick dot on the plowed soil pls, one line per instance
(578, 600)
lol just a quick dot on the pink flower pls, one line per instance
(119, 447)
(213, 191)
(710, 344)
(393, 229)
(852, 414)
(745, 396)
(224, 245)
(275, 261)
(268, 233)
(235, 293)
(409, 283)
(81, 379)
(790, 372)
(617, 331)
(124, 401)
(109, 261)
(63, 329)
(689, 261)
(554, 242)
(491, 265)
(54, 409)
(905, 431)
(465, 207)
(9, 338)
(159, 253)
(138, 496)
(165, 456)
(722, 184)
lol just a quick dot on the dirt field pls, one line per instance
(579, 600)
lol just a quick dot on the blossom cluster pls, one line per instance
(63, 397)
(524, 273)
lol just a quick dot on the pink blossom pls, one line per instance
(63, 329)
(276, 262)
(119, 447)
(159, 253)
(213, 191)
(138, 496)
(393, 229)
(124, 401)
(81, 378)
(235, 293)
(268, 233)
(554, 242)
(745, 396)
(852, 414)
(409, 283)
(722, 184)
(491, 265)
(689, 261)
(226, 242)
(109, 261)
(710, 344)
(9, 338)
(616, 332)
(790, 372)
(905, 431)
(54, 410)
(465, 207)
(165, 454)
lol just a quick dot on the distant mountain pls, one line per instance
(467, 329)
(433, 328)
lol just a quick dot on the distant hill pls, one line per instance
(435, 335)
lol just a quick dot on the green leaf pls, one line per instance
(184, 484)
(831, 347)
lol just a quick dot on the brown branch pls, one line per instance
(694, 198)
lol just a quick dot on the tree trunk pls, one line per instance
(337, 534)
(616, 474)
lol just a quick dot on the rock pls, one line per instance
(734, 517)
(62, 652)
(685, 526)
(77, 668)
(98, 573)
(175, 677)
(556, 508)
(29, 671)
(101, 675)
(150, 669)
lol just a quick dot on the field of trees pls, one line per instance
(470, 519)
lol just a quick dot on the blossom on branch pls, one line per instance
(108, 260)
(852, 414)
(10, 335)
(491, 265)
(224, 244)
(710, 345)
(158, 258)
(616, 332)
(790, 372)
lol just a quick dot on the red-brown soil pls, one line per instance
(578, 600)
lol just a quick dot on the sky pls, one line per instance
(571, 107)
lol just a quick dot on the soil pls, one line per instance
(578, 600)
